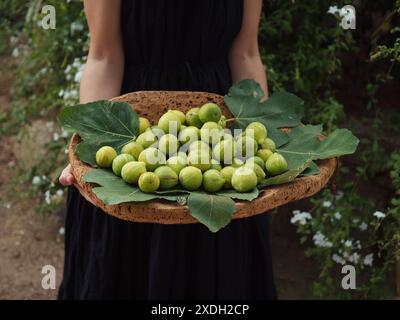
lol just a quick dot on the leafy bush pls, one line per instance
(302, 46)
(345, 226)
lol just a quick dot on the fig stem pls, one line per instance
(230, 120)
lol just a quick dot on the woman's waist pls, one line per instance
(183, 65)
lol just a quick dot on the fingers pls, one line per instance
(66, 178)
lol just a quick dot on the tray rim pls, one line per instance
(166, 212)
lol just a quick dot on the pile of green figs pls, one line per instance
(195, 151)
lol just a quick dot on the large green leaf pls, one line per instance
(281, 110)
(102, 122)
(233, 194)
(214, 211)
(113, 190)
(304, 145)
(87, 152)
(312, 170)
(286, 177)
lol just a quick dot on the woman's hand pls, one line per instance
(67, 179)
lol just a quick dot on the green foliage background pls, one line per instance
(347, 78)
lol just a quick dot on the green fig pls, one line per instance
(105, 156)
(227, 173)
(168, 177)
(170, 122)
(153, 158)
(257, 131)
(268, 144)
(133, 148)
(213, 180)
(192, 118)
(276, 164)
(119, 161)
(264, 154)
(147, 139)
(132, 170)
(210, 112)
(149, 182)
(144, 124)
(168, 144)
(191, 178)
(244, 179)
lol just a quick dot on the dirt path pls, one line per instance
(28, 241)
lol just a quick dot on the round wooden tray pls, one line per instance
(152, 104)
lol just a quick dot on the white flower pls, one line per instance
(321, 241)
(363, 226)
(349, 14)
(61, 93)
(13, 40)
(326, 204)
(356, 220)
(355, 258)
(47, 197)
(339, 195)
(333, 10)
(300, 217)
(78, 76)
(43, 71)
(348, 243)
(337, 215)
(36, 180)
(61, 231)
(368, 259)
(76, 26)
(15, 52)
(338, 259)
(71, 94)
(358, 245)
(56, 136)
(68, 69)
(60, 192)
(50, 125)
(379, 214)
(64, 133)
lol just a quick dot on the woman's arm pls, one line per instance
(244, 56)
(102, 76)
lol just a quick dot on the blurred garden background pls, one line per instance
(347, 78)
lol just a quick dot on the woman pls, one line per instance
(199, 45)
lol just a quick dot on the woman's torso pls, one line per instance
(178, 44)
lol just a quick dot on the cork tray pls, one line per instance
(152, 104)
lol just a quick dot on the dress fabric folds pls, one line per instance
(169, 45)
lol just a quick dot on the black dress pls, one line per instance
(169, 45)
